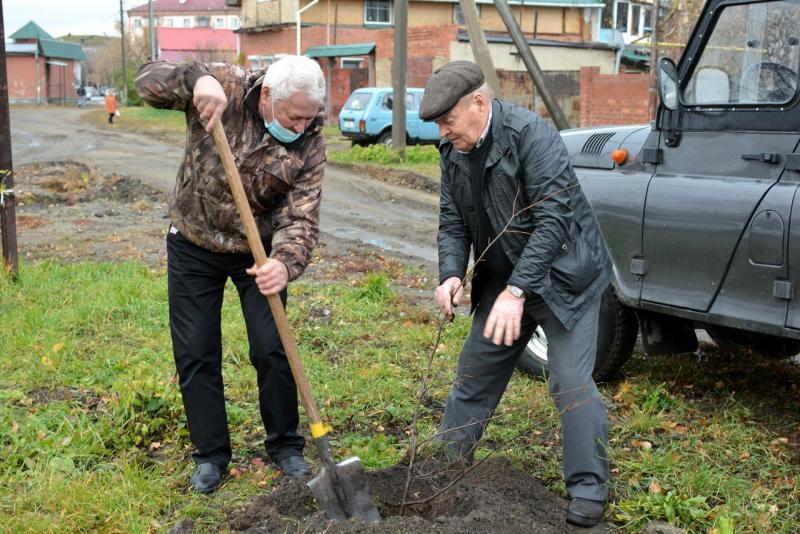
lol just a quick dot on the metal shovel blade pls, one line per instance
(343, 492)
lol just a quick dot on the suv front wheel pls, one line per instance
(617, 330)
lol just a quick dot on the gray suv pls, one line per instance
(702, 218)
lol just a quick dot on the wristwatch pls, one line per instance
(516, 291)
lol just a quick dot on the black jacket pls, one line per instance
(552, 237)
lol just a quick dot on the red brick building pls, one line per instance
(41, 69)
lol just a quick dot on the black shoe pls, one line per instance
(584, 512)
(206, 477)
(294, 466)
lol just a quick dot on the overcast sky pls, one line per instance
(60, 17)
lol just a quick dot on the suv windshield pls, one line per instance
(357, 101)
(752, 56)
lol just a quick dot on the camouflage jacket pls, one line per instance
(283, 182)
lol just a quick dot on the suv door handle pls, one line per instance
(764, 157)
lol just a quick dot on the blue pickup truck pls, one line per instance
(367, 117)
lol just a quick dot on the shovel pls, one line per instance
(341, 490)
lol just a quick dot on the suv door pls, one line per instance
(723, 153)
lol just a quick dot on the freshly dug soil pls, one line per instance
(494, 496)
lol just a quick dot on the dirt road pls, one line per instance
(355, 209)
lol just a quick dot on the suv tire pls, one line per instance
(617, 331)
(385, 139)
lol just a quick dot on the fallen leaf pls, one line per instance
(57, 347)
(155, 445)
(40, 435)
(258, 462)
(773, 509)
(654, 487)
(235, 472)
(14, 427)
(744, 456)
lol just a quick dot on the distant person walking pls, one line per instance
(81, 96)
(111, 106)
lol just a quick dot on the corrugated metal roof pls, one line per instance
(61, 50)
(343, 50)
(30, 31)
(196, 39)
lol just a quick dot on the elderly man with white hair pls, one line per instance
(273, 121)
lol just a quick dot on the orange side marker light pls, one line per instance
(620, 156)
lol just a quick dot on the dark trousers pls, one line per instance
(110, 118)
(484, 370)
(196, 280)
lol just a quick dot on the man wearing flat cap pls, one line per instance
(509, 193)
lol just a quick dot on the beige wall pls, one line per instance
(548, 20)
(256, 13)
(505, 57)
(350, 12)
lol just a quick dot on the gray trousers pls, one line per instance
(484, 370)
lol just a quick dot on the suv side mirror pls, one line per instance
(668, 83)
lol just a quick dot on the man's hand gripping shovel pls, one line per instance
(341, 490)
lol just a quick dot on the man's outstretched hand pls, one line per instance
(209, 100)
(448, 295)
(504, 323)
(271, 278)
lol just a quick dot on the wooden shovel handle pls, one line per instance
(257, 248)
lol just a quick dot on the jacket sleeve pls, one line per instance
(453, 240)
(169, 84)
(295, 222)
(548, 183)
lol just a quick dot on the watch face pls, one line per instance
(517, 292)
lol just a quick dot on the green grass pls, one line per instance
(421, 159)
(93, 435)
(165, 124)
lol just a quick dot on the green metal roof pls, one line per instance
(344, 50)
(30, 31)
(61, 50)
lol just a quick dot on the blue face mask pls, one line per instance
(280, 132)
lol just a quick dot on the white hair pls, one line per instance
(295, 74)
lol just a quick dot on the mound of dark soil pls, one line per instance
(493, 496)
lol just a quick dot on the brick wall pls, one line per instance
(517, 87)
(608, 99)
(21, 73)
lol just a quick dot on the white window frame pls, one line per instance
(379, 23)
(187, 22)
(234, 23)
(642, 11)
(259, 62)
(137, 22)
(219, 22)
(168, 22)
(358, 60)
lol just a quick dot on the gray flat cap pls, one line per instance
(446, 86)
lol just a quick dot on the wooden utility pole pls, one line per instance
(8, 219)
(124, 64)
(531, 64)
(399, 77)
(480, 48)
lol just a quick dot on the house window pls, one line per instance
(352, 62)
(260, 62)
(203, 22)
(235, 23)
(622, 17)
(137, 23)
(458, 14)
(377, 11)
(187, 23)
(636, 15)
(647, 20)
(168, 22)
(220, 22)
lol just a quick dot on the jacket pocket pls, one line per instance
(577, 267)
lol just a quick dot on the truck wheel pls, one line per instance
(617, 330)
(385, 139)
(771, 346)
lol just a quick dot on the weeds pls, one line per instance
(93, 436)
